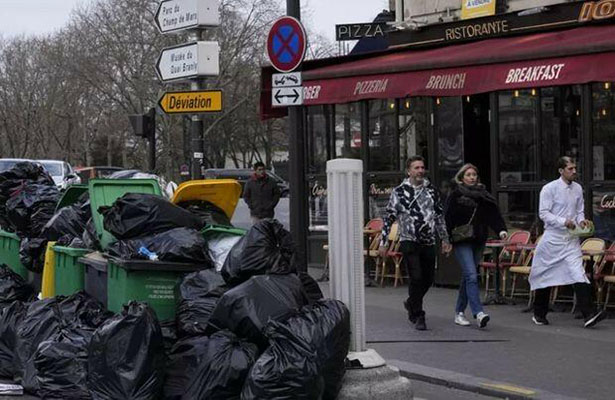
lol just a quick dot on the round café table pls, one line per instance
(497, 298)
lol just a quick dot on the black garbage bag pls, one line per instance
(198, 295)
(10, 319)
(325, 328)
(267, 248)
(32, 253)
(42, 321)
(208, 213)
(310, 286)
(136, 214)
(81, 311)
(287, 370)
(13, 288)
(126, 356)
(169, 334)
(31, 208)
(246, 309)
(90, 237)
(68, 221)
(62, 366)
(12, 181)
(177, 245)
(213, 368)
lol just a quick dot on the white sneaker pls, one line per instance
(482, 319)
(460, 319)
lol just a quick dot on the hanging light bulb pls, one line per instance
(468, 99)
(578, 112)
(392, 105)
(516, 93)
(607, 85)
(407, 103)
(438, 101)
(604, 112)
(533, 92)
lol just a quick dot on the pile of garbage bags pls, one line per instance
(28, 198)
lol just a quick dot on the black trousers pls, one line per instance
(420, 262)
(583, 292)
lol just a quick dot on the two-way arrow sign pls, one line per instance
(292, 96)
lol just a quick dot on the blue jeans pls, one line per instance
(468, 255)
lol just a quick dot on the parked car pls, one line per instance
(242, 176)
(61, 172)
(87, 173)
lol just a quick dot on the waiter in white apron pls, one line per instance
(558, 260)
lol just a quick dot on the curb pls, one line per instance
(473, 384)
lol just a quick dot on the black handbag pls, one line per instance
(465, 232)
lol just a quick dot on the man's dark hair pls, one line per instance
(413, 159)
(564, 161)
(258, 164)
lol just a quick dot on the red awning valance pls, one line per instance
(574, 56)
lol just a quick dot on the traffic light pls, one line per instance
(144, 125)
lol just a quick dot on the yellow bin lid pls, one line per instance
(223, 193)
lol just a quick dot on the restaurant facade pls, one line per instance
(510, 93)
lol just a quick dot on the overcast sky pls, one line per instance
(44, 16)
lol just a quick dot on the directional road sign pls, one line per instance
(286, 80)
(286, 44)
(282, 97)
(193, 102)
(188, 61)
(176, 15)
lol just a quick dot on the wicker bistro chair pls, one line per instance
(509, 256)
(523, 270)
(392, 256)
(604, 277)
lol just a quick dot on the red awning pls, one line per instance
(573, 56)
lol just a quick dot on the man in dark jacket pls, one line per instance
(261, 194)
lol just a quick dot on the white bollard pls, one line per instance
(345, 211)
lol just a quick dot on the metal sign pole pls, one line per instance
(196, 124)
(298, 187)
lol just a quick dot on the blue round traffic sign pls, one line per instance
(286, 44)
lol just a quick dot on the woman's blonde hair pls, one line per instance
(462, 171)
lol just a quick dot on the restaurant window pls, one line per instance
(414, 128)
(317, 204)
(379, 191)
(448, 119)
(520, 210)
(317, 123)
(604, 214)
(561, 134)
(348, 131)
(518, 136)
(382, 135)
(603, 117)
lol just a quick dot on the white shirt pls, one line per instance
(560, 201)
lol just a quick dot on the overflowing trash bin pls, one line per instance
(156, 298)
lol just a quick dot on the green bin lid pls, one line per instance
(71, 195)
(104, 192)
(71, 251)
(10, 235)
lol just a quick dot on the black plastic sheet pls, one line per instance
(246, 309)
(126, 357)
(177, 245)
(213, 368)
(10, 319)
(267, 248)
(13, 288)
(198, 295)
(207, 212)
(136, 214)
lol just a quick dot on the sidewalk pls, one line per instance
(512, 356)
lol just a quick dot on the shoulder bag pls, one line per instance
(464, 232)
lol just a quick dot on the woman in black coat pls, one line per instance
(471, 203)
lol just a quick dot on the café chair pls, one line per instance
(523, 270)
(509, 256)
(394, 256)
(604, 277)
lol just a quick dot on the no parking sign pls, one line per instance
(286, 44)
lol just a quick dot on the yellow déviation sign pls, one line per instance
(191, 102)
(477, 8)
